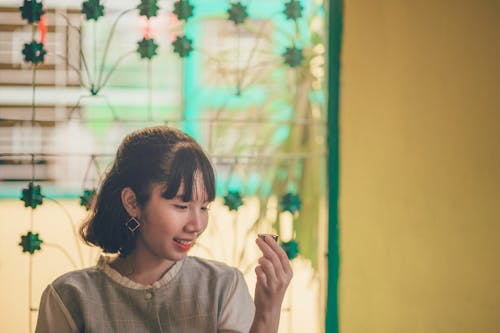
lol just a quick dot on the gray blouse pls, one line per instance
(195, 295)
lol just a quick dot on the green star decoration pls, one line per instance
(87, 197)
(183, 9)
(92, 9)
(233, 200)
(182, 46)
(290, 202)
(148, 8)
(293, 10)
(34, 52)
(237, 13)
(147, 48)
(293, 56)
(30, 242)
(32, 196)
(32, 11)
(291, 249)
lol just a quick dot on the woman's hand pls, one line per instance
(273, 277)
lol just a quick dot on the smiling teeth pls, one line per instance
(185, 242)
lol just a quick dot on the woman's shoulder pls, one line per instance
(197, 265)
(78, 279)
(212, 277)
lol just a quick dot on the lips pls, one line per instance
(184, 244)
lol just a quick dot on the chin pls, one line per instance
(175, 256)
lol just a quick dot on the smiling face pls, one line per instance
(170, 227)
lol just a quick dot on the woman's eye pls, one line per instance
(181, 206)
(205, 208)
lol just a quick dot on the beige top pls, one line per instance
(195, 295)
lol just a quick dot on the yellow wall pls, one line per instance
(420, 167)
(53, 225)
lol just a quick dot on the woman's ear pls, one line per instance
(129, 202)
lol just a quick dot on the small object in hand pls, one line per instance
(275, 237)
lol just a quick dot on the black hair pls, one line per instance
(154, 155)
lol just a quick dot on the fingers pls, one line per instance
(261, 276)
(268, 268)
(270, 257)
(275, 253)
(274, 263)
(282, 256)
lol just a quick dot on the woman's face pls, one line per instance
(170, 227)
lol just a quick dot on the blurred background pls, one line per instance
(391, 164)
(246, 79)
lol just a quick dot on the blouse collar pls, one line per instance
(103, 265)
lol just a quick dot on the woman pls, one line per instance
(151, 208)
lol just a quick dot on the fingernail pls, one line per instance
(263, 236)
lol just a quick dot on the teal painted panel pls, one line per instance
(334, 48)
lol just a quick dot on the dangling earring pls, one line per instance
(132, 224)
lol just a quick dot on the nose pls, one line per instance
(196, 222)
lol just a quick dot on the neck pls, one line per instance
(145, 271)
